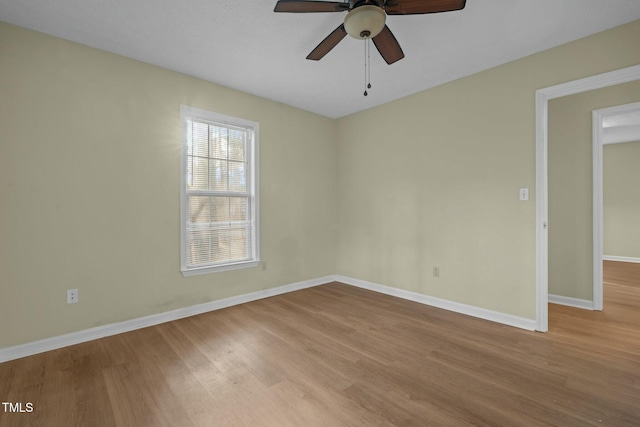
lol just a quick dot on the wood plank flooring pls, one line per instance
(336, 355)
(621, 273)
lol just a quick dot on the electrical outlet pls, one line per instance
(72, 296)
(436, 271)
(524, 194)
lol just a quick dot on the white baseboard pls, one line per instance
(571, 302)
(28, 349)
(482, 313)
(621, 259)
(23, 350)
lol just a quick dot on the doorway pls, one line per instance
(542, 98)
(614, 125)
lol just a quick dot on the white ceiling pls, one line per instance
(631, 118)
(622, 127)
(244, 45)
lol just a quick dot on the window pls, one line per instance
(219, 200)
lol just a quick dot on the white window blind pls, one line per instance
(219, 199)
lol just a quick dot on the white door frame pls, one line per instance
(598, 211)
(542, 203)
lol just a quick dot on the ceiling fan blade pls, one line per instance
(415, 7)
(305, 6)
(388, 46)
(328, 43)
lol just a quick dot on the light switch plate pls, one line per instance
(524, 194)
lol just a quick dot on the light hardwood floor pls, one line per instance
(338, 355)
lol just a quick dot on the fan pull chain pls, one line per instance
(367, 65)
(367, 85)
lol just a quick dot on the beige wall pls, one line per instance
(621, 176)
(432, 179)
(89, 186)
(89, 183)
(570, 187)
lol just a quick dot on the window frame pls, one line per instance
(186, 113)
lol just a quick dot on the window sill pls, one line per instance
(219, 268)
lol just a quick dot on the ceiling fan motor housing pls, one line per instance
(365, 21)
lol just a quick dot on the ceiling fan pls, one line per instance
(366, 20)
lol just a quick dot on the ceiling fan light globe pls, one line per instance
(365, 22)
